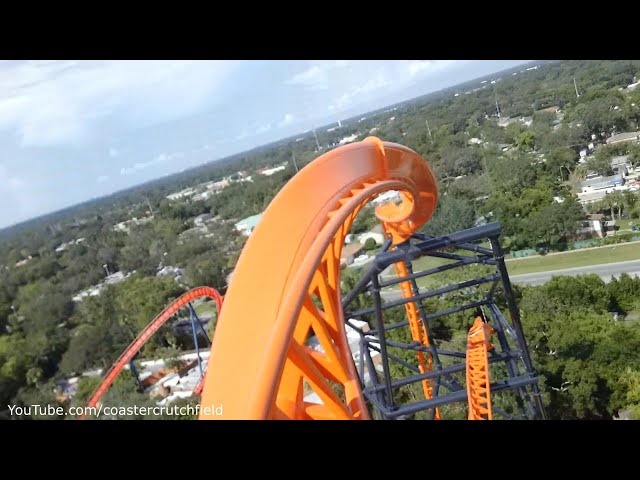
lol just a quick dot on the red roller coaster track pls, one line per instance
(148, 332)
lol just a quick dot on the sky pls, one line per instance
(71, 131)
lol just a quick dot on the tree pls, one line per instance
(44, 335)
(559, 159)
(452, 214)
(106, 324)
(365, 220)
(349, 277)
(580, 352)
(634, 154)
(618, 202)
(370, 244)
(600, 164)
(206, 270)
(141, 252)
(525, 141)
(557, 221)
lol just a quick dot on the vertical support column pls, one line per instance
(418, 329)
(510, 363)
(433, 350)
(193, 316)
(375, 290)
(373, 378)
(204, 332)
(136, 377)
(515, 319)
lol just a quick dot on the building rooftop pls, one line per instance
(623, 137)
(618, 161)
(553, 109)
(249, 222)
(202, 218)
(601, 182)
(591, 197)
(351, 249)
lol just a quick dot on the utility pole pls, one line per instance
(316, 137)
(429, 130)
(576, 87)
(495, 93)
(149, 205)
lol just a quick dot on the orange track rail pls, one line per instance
(418, 331)
(478, 389)
(148, 331)
(289, 266)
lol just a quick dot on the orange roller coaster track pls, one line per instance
(148, 332)
(478, 387)
(281, 350)
(308, 221)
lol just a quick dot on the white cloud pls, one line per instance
(373, 84)
(417, 67)
(377, 82)
(15, 191)
(14, 183)
(263, 128)
(57, 102)
(242, 135)
(288, 119)
(113, 152)
(10, 182)
(103, 178)
(314, 77)
(317, 76)
(162, 158)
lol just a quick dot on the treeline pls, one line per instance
(507, 174)
(583, 336)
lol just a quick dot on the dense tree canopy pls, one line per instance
(519, 175)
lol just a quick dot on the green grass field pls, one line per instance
(614, 253)
(447, 277)
(625, 225)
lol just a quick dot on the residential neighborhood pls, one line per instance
(139, 216)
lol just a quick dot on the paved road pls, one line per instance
(605, 271)
(390, 295)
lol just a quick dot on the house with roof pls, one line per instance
(247, 225)
(623, 137)
(621, 165)
(200, 220)
(505, 122)
(270, 171)
(591, 197)
(553, 109)
(349, 253)
(376, 233)
(593, 224)
(601, 183)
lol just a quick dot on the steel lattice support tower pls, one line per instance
(509, 363)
